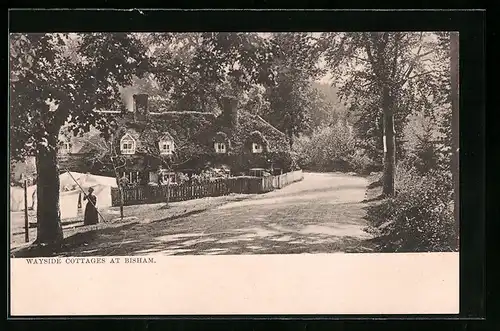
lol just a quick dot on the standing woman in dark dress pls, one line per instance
(91, 216)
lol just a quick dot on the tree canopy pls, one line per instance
(58, 79)
(362, 64)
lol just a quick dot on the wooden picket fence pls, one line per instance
(213, 188)
(276, 182)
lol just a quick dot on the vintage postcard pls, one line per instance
(234, 173)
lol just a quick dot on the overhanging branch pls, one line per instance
(422, 74)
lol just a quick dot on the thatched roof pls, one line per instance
(196, 132)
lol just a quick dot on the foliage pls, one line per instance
(271, 76)
(445, 118)
(409, 62)
(424, 149)
(182, 177)
(207, 175)
(293, 98)
(21, 170)
(197, 69)
(66, 76)
(429, 136)
(242, 162)
(384, 77)
(57, 77)
(330, 108)
(420, 217)
(254, 100)
(362, 164)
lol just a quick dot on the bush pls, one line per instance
(209, 174)
(181, 177)
(332, 148)
(420, 217)
(423, 143)
(362, 164)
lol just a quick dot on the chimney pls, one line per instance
(141, 107)
(230, 110)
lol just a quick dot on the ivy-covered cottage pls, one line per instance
(149, 139)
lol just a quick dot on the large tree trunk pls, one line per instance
(49, 229)
(389, 144)
(455, 97)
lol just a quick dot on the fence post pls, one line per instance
(26, 221)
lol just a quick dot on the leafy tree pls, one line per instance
(270, 74)
(384, 76)
(64, 78)
(20, 171)
(423, 137)
(426, 150)
(328, 109)
(254, 100)
(198, 69)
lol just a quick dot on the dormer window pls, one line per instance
(220, 147)
(127, 145)
(221, 143)
(256, 148)
(166, 147)
(257, 143)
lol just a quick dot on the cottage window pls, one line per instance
(166, 178)
(256, 148)
(132, 177)
(65, 148)
(220, 147)
(153, 177)
(127, 145)
(166, 147)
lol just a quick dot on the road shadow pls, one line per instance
(312, 191)
(69, 244)
(212, 236)
(119, 244)
(176, 217)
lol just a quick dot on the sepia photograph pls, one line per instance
(233, 172)
(232, 143)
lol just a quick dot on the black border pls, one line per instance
(470, 24)
(185, 20)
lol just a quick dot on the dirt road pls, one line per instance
(321, 214)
